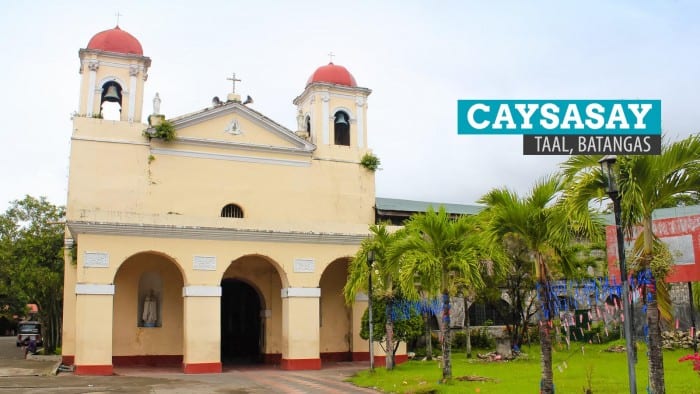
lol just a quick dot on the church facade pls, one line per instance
(229, 243)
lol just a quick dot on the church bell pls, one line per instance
(341, 118)
(112, 95)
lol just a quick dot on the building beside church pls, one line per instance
(229, 243)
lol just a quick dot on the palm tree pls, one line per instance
(646, 183)
(385, 274)
(439, 253)
(547, 230)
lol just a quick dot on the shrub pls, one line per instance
(165, 131)
(370, 162)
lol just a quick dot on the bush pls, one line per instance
(482, 338)
(164, 131)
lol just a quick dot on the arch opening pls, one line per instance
(242, 330)
(341, 128)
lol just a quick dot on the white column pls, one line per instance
(93, 65)
(360, 102)
(202, 329)
(133, 72)
(300, 328)
(325, 117)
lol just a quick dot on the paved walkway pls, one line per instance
(18, 375)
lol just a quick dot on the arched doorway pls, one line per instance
(241, 328)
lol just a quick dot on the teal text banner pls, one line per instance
(559, 117)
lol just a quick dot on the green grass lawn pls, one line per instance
(608, 373)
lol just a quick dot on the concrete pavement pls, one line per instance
(18, 375)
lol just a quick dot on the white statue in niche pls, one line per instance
(150, 310)
(156, 105)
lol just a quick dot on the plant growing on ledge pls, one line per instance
(370, 161)
(165, 131)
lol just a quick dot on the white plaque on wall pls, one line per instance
(304, 265)
(96, 260)
(204, 263)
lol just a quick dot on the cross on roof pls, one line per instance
(118, 15)
(331, 55)
(233, 80)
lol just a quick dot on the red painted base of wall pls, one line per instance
(202, 368)
(300, 364)
(150, 360)
(102, 370)
(336, 356)
(360, 356)
(272, 358)
(68, 360)
(379, 361)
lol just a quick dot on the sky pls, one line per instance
(417, 57)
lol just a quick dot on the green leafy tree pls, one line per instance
(547, 230)
(385, 277)
(646, 183)
(405, 328)
(439, 255)
(31, 238)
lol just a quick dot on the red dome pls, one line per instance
(332, 73)
(115, 40)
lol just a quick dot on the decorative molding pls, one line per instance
(211, 233)
(301, 292)
(68, 243)
(304, 265)
(109, 141)
(233, 128)
(93, 65)
(94, 289)
(220, 156)
(96, 260)
(361, 297)
(245, 146)
(204, 263)
(133, 70)
(112, 78)
(201, 291)
(337, 90)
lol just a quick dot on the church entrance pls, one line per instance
(240, 323)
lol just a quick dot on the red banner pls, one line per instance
(681, 235)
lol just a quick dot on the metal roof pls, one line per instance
(395, 204)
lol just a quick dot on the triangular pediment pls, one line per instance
(237, 126)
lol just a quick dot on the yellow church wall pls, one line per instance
(94, 328)
(69, 300)
(202, 333)
(300, 328)
(346, 191)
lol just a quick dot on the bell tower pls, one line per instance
(113, 71)
(331, 113)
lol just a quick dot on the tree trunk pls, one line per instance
(656, 357)
(467, 329)
(428, 337)
(446, 338)
(547, 381)
(389, 336)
